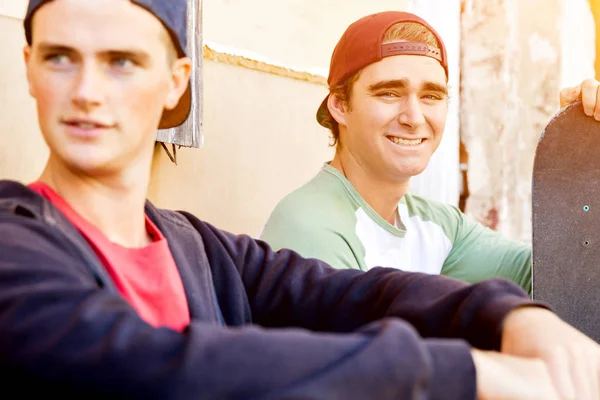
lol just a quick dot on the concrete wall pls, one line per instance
(299, 33)
(261, 142)
(513, 66)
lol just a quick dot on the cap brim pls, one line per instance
(323, 113)
(178, 115)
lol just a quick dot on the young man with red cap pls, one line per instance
(103, 295)
(386, 110)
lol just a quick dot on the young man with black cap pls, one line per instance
(386, 110)
(104, 295)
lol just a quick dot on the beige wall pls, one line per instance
(261, 141)
(13, 8)
(300, 33)
(22, 151)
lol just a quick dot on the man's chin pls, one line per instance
(91, 165)
(405, 172)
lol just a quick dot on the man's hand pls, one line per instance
(587, 91)
(504, 377)
(572, 359)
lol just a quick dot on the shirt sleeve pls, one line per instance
(287, 290)
(64, 334)
(478, 253)
(316, 332)
(312, 239)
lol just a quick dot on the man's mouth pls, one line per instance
(85, 124)
(405, 142)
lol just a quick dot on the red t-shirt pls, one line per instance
(147, 277)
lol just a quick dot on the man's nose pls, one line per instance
(90, 86)
(411, 113)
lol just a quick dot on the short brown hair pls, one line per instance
(408, 31)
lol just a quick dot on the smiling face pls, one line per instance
(101, 72)
(395, 117)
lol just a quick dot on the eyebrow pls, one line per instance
(403, 84)
(51, 47)
(137, 54)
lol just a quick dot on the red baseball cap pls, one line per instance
(362, 45)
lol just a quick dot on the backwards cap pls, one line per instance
(362, 45)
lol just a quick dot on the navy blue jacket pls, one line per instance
(264, 324)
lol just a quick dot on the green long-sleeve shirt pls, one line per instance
(327, 219)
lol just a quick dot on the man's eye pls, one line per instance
(388, 94)
(57, 59)
(122, 62)
(434, 97)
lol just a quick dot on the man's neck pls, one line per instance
(113, 203)
(383, 196)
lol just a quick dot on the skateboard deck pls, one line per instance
(566, 219)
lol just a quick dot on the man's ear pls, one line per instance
(180, 77)
(337, 108)
(27, 59)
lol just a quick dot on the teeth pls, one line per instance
(405, 142)
(86, 125)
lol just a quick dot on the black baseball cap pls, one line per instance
(173, 15)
